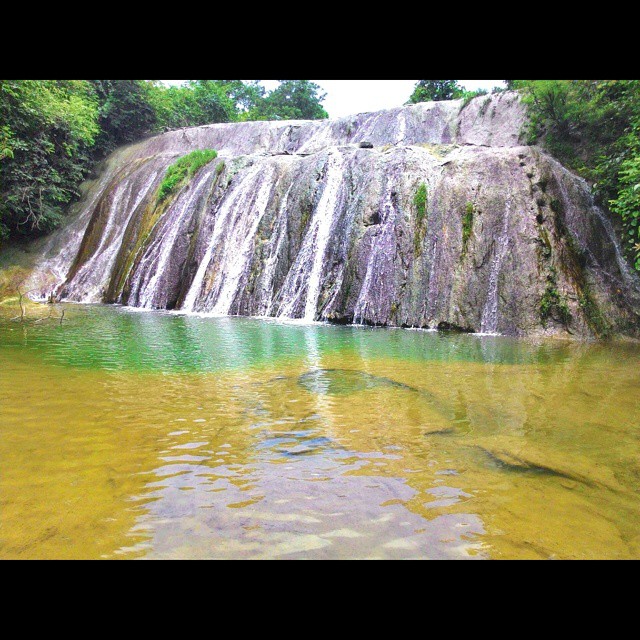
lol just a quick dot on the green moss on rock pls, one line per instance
(467, 225)
(553, 303)
(182, 170)
(420, 206)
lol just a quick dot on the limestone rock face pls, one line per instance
(320, 220)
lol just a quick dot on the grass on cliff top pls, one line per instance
(184, 169)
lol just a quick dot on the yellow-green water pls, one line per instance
(147, 435)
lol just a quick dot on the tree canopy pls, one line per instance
(436, 90)
(292, 100)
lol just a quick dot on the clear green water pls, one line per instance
(128, 434)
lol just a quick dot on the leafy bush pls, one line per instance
(627, 204)
(47, 129)
(291, 100)
(551, 302)
(182, 170)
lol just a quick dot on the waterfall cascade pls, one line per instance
(296, 220)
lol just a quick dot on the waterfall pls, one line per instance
(238, 250)
(59, 262)
(322, 221)
(432, 291)
(151, 271)
(489, 322)
(280, 233)
(376, 260)
(625, 270)
(302, 223)
(235, 201)
(307, 270)
(94, 274)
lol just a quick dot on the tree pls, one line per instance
(48, 128)
(291, 100)
(427, 90)
(245, 95)
(126, 113)
(196, 103)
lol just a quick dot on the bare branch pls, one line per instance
(23, 311)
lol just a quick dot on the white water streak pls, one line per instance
(489, 321)
(375, 260)
(310, 262)
(237, 197)
(625, 269)
(433, 282)
(276, 247)
(323, 221)
(239, 247)
(60, 263)
(165, 243)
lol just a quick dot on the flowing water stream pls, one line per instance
(156, 435)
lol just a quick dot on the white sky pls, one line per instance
(346, 97)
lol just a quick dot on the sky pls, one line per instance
(346, 97)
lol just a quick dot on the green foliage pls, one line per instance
(468, 96)
(196, 103)
(291, 100)
(552, 303)
(48, 128)
(126, 113)
(467, 225)
(593, 126)
(627, 203)
(220, 168)
(592, 313)
(182, 170)
(200, 102)
(427, 90)
(6, 142)
(420, 204)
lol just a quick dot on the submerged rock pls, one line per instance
(513, 455)
(509, 462)
(336, 382)
(447, 222)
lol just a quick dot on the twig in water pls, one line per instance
(23, 311)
